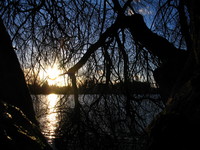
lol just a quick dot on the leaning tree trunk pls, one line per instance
(177, 127)
(172, 59)
(13, 88)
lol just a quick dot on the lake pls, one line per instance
(47, 108)
(50, 109)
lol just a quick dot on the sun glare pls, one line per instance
(53, 73)
(53, 76)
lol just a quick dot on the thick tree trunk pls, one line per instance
(172, 59)
(13, 89)
(177, 127)
(157, 45)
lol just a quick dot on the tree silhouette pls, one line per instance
(111, 42)
(13, 87)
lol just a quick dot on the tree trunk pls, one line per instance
(172, 59)
(13, 88)
(177, 127)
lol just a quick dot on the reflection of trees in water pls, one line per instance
(103, 120)
(104, 123)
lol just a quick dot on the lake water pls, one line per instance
(49, 110)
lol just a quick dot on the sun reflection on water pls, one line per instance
(50, 119)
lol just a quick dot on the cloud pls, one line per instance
(144, 11)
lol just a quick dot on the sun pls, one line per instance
(53, 73)
(53, 76)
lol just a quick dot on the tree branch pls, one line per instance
(156, 44)
(108, 33)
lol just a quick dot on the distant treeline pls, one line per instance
(90, 87)
(45, 88)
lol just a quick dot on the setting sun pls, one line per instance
(53, 73)
(53, 76)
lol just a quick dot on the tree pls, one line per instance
(180, 117)
(19, 127)
(13, 89)
(114, 43)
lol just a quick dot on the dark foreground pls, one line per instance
(17, 132)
